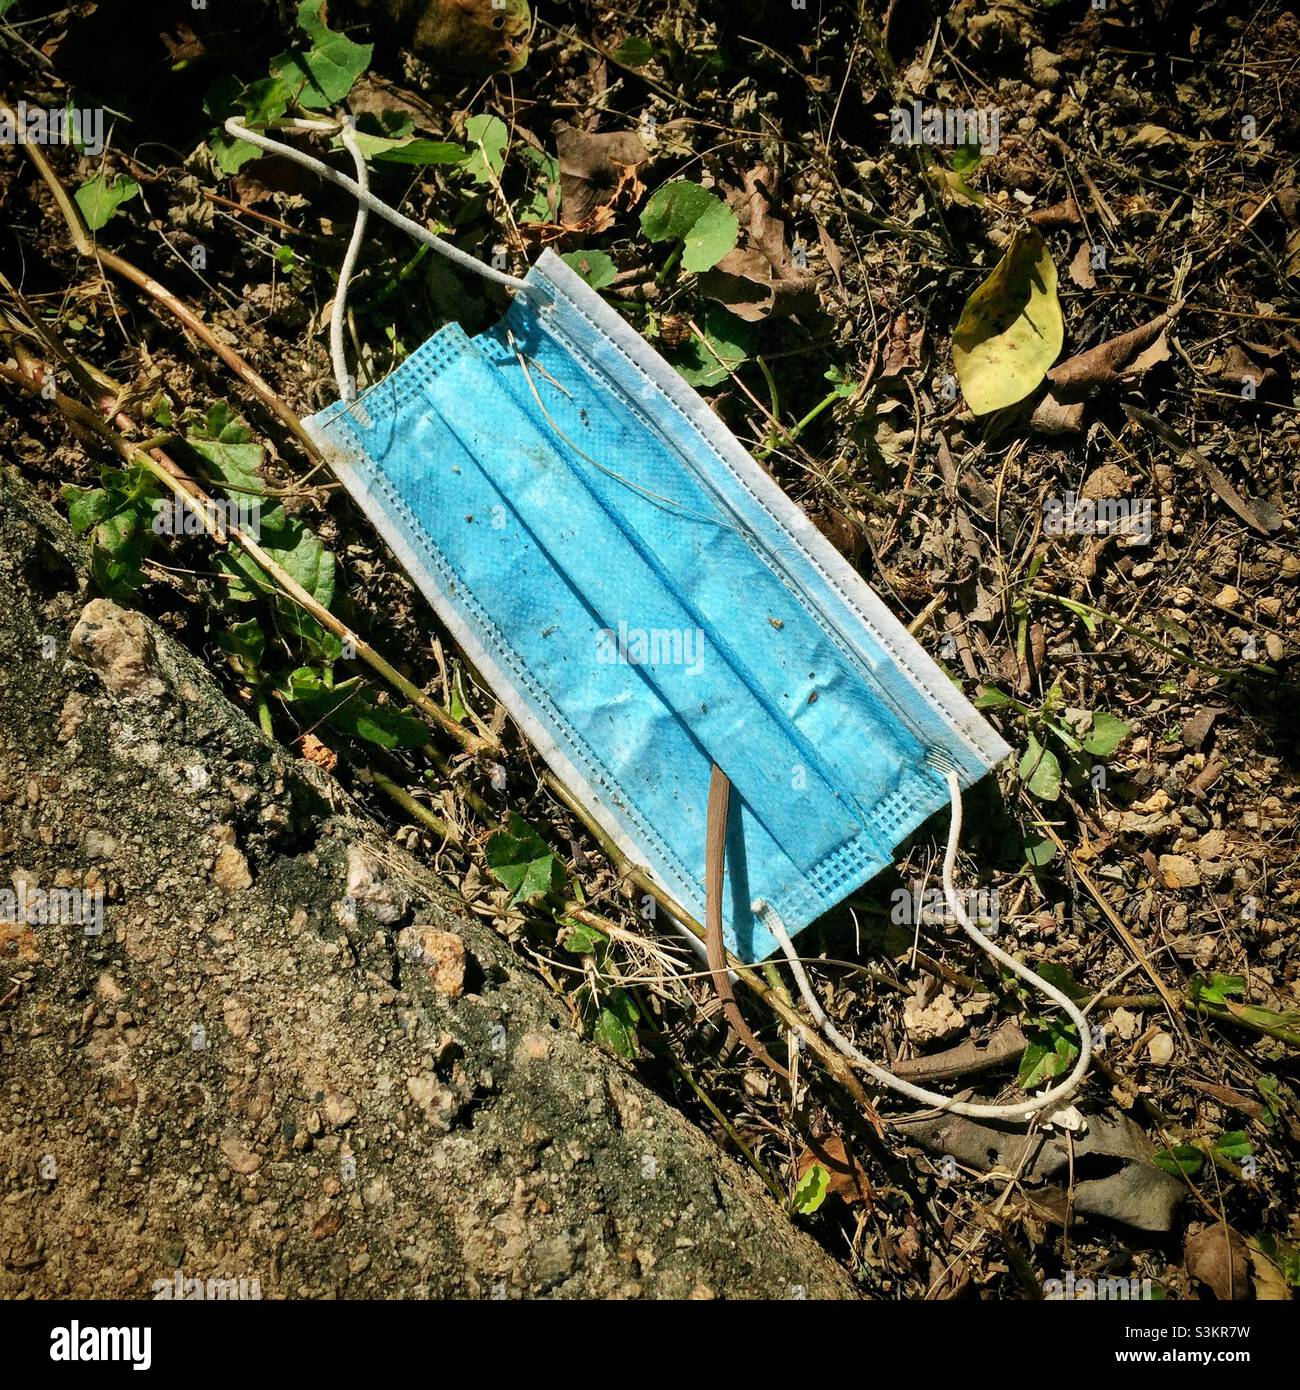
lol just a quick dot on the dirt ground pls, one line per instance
(1141, 844)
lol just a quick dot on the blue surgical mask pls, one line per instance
(647, 602)
(650, 607)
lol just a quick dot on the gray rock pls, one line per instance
(200, 1082)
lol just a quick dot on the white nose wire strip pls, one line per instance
(236, 128)
(932, 1098)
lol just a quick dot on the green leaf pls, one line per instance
(245, 644)
(583, 940)
(304, 556)
(1040, 771)
(225, 444)
(1105, 735)
(1051, 1052)
(267, 99)
(1216, 989)
(1284, 1255)
(323, 75)
(1011, 330)
(1039, 852)
(1182, 1160)
(379, 724)
(993, 698)
(1059, 976)
(1086, 615)
(616, 1024)
(487, 137)
(1234, 1144)
(350, 708)
(99, 198)
(967, 158)
(811, 1190)
(634, 52)
(407, 150)
(523, 862)
(686, 212)
(88, 506)
(1274, 1104)
(595, 267)
(120, 546)
(730, 341)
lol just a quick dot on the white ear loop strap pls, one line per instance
(342, 378)
(360, 190)
(1018, 1111)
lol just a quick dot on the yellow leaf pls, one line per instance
(1011, 330)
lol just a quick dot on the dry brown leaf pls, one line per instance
(1270, 1283)
(759, 279)
(1081, 268)
(1217, 1257)
(845, 1174)
(846, 537)
(597, 174)
(1048, 219)
(1053, 416)
(1253, 362)
(905, 346)
(314, 751)
(260, 179)
(834, 257)
(1081, 375)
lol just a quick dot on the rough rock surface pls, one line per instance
(244, 1075)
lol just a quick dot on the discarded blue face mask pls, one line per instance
(648, 603)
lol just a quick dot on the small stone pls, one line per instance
(237, 1017)
(1109, 480)
(241, 1158)
(1197, 729)
(117, 644)
(230, 870)
(1228, 597)
(533, 1047)
(1125, 1024)
(108, 990)
(936, 1021)
(1178, 871)
(442, 951)
(1161, 1049)
(435, 1100)
(1212, 845)
(340, 1110)
(1043, 71)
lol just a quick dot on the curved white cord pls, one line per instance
(236, 128)
(345, 383)
(1019, 1111)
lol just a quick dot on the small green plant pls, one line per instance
(1053, 1042)
(701, 226)
(1187, 1160)
(1061, 745)
(611, 1011)
(100, 197)
(524, 863)
(810, 1192)
(118, 516)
